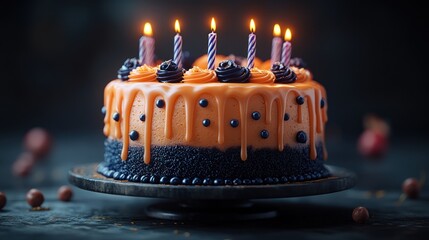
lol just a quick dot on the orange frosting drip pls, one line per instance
(143, 73)
(261, 76)
(122, 97)
(302, 74)
(198, 75)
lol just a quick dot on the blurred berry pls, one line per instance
(372, 144)
(35, 198)
(360, 215)
(3, 200)
(411, 187)
(23, 165)
(38, 141)
(65, 193)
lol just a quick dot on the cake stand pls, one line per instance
(210, 202)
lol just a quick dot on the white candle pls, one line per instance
(177, 58)
(276, 45)
(211, 51)
(287, 48)
(251, 48)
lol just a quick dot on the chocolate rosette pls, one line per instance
(169, 72)
(229, 72)
(298, 62)
(283, 74)
(127, 67)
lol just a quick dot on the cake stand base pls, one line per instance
(210, 202)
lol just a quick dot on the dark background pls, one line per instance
(57, 56)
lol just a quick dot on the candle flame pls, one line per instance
(252, 26)
(177, 26)
(213, 25)
(147, 29)
(277, 31)
(288, 35)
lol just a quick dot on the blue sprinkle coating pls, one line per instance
(256, 115)
(164, 180)
(135, 178)
(237, 181)
(218, 182)
(247, 181)
(116, 116)
(284, 179)
(258, 181)
(116, 175)
(206, 122)
(134, 135)
(175, 181)
(203, 102)
(234, 123)
(122, 176)
(197, 181)
(160, 103)
(145, 179)
(154, 179)
(300, 100)
(301, 137)
(265, 134)
(268, 180)
(186, 181)
(207, 181)
(228, 182)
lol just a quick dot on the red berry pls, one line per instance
(23, 164)
(360, 215)
(372, 144)
(35, 198)
(3, 200)
(65, 193)
(411, 187)
(38, 141)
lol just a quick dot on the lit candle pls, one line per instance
(142, 49)
(251, 48)
(276, 44)
(211, 52)
(149, 45)
(177, 58)
(287, 48)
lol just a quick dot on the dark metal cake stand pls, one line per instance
(210, 202)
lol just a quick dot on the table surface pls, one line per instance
(99, 216)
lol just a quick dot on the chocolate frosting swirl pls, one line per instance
(298, 62)
(129, 65)
(169, 72)
(283, 74)
(229, 72)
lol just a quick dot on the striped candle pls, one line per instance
(287, 48)
(177, 58)
(251, 48)
(142, 50)
(211, 52)
(276, 44)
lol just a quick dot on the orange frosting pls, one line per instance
(302, 74)
(201, 62)
(179, 122)
(266, 65)
(143, 73)
(261, 76)
(198, 75)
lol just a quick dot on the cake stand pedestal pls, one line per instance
(210, 202)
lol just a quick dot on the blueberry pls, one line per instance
(116, 116)
(268, 180)
(307, 177)
(142, 117)
(256, 115)
(237, 181)
(197, 181)
(301, 137)
(247, 182)
(122, 177)
(103, 110)
(110, 173)
(135, 178)
(218, 181)
(276, 180)
(134, 135)
(292, 178)
(116, 175)
(164, 180)
(286, 117)
(154, 179)
(144, 179)
(322, 103)
(129, 177)
(203, 102)
(258, 181)
(206, 122)
(300, 100)
(174, 180)
(318, 175)
(284, 179)
(234, 123)
(265, 134)
(186, 181)
(160, 103)
(300, 178)
(207, 181)
(228, 182)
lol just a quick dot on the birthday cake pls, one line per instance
(233, 125)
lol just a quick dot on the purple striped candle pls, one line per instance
(177, 58)
(276, 44)
(251, 48)
(142, 50)
(211, 51)
(149, 45)
(287, 48)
